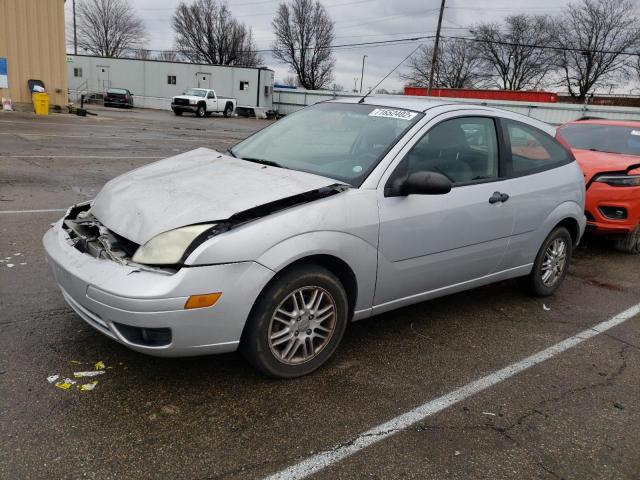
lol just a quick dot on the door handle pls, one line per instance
(498, 197)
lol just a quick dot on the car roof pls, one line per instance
(421, 104)
(613, 123)
(398, 101)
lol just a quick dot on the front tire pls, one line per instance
(202, 111)
(630, 243)
(297, 323)
(551, 264)
(178, 113)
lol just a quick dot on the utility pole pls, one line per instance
(362, 74)
(436, 44)
(75, 35)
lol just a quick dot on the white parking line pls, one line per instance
(324, 459)
(35, 211)
(82, 157)
(110, 137)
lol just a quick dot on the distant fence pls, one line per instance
(286, 101)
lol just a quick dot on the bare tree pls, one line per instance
(597, 33)
(168, 56)
(109, 28)
(304, 34)
(458, 66)
(291, 80)
(142, 54)
(206, 32)
(511, 53)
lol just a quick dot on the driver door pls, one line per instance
(431, 242)
(212, 103)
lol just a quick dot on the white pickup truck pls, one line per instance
(203, 102)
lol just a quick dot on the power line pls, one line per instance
(378, 43)
(545, 47)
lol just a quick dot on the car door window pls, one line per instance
(463, 149)
(211, 95)
(532, 150)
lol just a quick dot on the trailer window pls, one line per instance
(171, 79)
(244, 85)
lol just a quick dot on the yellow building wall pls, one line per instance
(32, 39)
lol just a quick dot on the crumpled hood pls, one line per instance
(593, 163)
(195, 187)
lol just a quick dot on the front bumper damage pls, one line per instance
(143, 307)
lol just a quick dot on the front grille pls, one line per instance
(181, 101)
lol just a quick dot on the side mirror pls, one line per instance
(419, 183)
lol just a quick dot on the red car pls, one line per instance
(609, 153)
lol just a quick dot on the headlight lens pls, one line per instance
(619, 180)
(169, 247)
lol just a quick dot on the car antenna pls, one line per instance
(387, 75)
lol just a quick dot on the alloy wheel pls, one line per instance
(555, 260)
(302, 325)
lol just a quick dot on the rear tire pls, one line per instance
(228, 110)
(630, 243)
(297, 323)
(551, 264)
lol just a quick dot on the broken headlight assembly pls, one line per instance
(170, 247)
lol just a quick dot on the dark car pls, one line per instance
(118, 97)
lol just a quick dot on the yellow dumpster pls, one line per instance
(41, 103)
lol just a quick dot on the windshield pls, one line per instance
(343, 141)
(195, 92)
(603, 138)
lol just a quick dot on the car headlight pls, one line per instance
(168, 248)
(192, 102)
(619, 180)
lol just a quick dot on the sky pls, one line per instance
(356, 21)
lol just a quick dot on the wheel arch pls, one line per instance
(334, 264)
(571, 224)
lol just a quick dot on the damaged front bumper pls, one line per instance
(144, 308)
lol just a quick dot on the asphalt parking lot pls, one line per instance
(575, 415)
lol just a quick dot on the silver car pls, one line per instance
(338, 212)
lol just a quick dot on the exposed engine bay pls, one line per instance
(88, 235)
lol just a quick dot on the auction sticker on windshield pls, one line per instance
(392, 113)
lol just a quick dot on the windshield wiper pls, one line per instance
(262, 162)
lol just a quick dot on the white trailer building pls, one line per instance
(153, 83)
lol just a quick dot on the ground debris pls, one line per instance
(90, 373)
(85, 387)
(66, 384)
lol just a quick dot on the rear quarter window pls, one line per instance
(531, 150)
